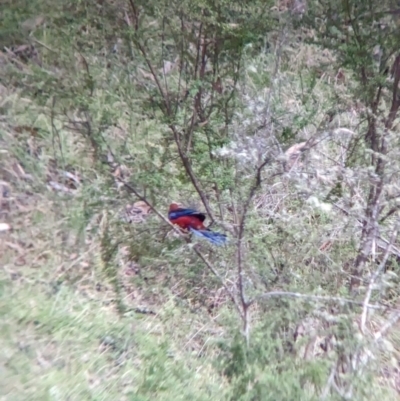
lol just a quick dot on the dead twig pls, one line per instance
(375, 276)
(325, 298)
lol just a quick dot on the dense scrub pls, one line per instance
(277, 119)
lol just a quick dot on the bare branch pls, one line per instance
(132, 189)
(242, 220)
(387, 326)
(375, 276)
(329, 382)
(195, 182)
(211, 268)
(395, 97)
(274, 294)
(392, 211)
(142, 50)
(176, 133)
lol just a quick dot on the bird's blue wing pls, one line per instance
(215, 238)
(175, 214)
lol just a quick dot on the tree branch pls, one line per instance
(274, 294)
(375, 276)
(211, 268)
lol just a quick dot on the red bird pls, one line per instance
(192, 220)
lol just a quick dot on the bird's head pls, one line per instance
(174, 206)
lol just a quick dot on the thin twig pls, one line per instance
(375, 276)
(242, 224)
(329, 382)
(142, 50)
(211, 268)
(273, 294)
(132, 189)
(388, 325)
(44, 45)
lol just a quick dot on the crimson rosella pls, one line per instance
(192, 220)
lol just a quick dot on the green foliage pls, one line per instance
(263, 370)
(364, 37)
(183, 100)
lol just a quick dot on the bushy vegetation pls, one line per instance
(277, 119)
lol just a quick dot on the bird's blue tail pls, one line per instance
(213, 237)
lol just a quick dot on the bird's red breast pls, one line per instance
(186, 218)
(187, 222)
(192, 220)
